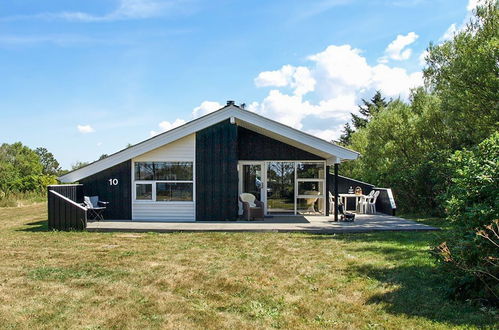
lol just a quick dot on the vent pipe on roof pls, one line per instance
(230, 102)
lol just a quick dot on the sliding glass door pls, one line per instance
(285, 187)
(281, 187)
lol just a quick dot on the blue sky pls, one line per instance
(84, 78)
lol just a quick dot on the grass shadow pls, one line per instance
(36, 226)
(417, 287)
(421, 292)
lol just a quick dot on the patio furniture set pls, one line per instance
(364, 204)
(253, 208)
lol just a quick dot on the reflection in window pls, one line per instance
(173, 171)
(144, 171)
(310, 188)
(143, 191)
(310, 170)
(173, 191)
(310, 205)
(281, 187)
(168, 171)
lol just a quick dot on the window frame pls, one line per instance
(153, 182)
(320, 181)
(135, 191)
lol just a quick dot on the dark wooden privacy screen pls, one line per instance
(64, 213)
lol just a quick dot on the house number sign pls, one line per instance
(113, 182)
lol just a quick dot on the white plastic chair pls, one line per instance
(370, 205)
(362, 204)
(331, 203)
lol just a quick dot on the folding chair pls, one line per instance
(95, 207)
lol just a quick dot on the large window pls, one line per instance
(164, 181)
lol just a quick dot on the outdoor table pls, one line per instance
(358, 198)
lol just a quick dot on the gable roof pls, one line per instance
(237, 115)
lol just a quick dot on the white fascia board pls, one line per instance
(147, 145)
(201, 123)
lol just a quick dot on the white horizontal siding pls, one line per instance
(164, 211)
(180, 150)
(183, 149)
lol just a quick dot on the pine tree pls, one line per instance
(367, 110)
(346, 133)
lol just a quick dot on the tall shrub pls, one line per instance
(470, 253)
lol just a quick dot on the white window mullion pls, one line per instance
(296, 188)
(153, 191)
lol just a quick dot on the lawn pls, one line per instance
(213, 280)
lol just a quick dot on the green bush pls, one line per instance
(36, 183)
(470, 253)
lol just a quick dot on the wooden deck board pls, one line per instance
(310, 224)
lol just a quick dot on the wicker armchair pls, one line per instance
(252, 208)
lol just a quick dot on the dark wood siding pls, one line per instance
(345, 183)
(63, 212)
(383, 203)
(216, 172)
(119, 196)
(255, 146)
(72, 191)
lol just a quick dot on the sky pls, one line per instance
(86, 78)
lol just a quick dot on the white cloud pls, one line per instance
(397, 50)
(395, 81)
(341, 68)
(342, 71)
(336, 79)
(205, 108)
(472, 4)
(342, 76)
(299, 78)
(277, 78)
(422, 58)
(449, 33)
(126, 10)
(166, 126)
(327, 134)
(286, 109)
(85, 129)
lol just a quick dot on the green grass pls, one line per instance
(15, 199)
(214, 280)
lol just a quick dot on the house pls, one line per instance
(196, 172)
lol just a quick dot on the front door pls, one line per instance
(251, 180)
